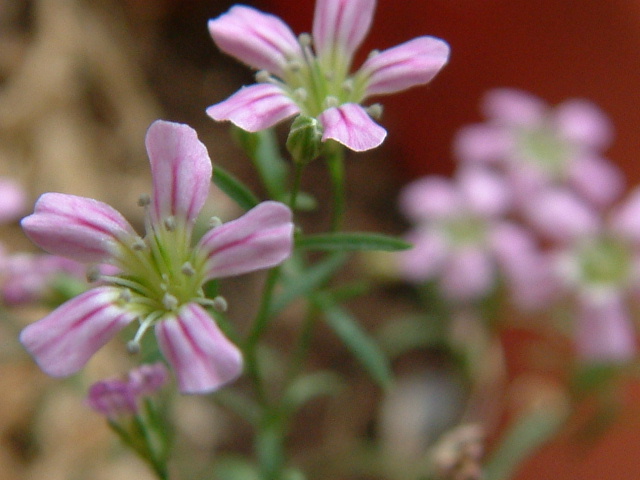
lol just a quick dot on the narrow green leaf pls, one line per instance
(350, 241)
(357, 340)
(238, 191)
(307, 387)
(306, 282)
(524, 437)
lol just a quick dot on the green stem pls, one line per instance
(259, 326)
(335, 163)
(295, 188)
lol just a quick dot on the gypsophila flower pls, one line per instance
(461, 237)
(540, 147)
(161, 274)
(115, 397)
(597, 264)
(311, 75)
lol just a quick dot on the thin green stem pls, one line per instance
(295, 187)
(259, 326)
(335, 163)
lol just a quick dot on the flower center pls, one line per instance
(605, 262)
(543, 149)
(465, 230)
(315, 83)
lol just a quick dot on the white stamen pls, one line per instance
(305, 40)
(347, 85)
(214, 222)
(125, 295)
(138, 244)
(263, 77)
(93, 274)
(331, 102)
(300, 94)
(375, 110)
(372, 54)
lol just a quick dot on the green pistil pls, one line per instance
(606, 261)
(544, 149)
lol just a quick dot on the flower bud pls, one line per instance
(305, 139)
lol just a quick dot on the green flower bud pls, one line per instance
(305, 139)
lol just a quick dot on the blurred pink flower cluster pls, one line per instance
(533, 208)
(27, 277)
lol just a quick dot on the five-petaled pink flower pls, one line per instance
(311, 75)
(161, 274)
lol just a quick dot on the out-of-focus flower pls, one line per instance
(13, 200)
(28, 277)
(311, 75)
(115, 397)
(540, 147)
(597, 263)
(161, 275)
(461, 237)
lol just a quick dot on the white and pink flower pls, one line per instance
(540, 147)
(160, 276)
(311, 75)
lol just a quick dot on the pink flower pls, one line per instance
(461, 237)
(115, 397)
(597, 265)
(161, 274)
(310, 75)
(541, 147)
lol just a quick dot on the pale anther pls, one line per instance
(93, 274)
(305, 39)
(373, 53)
(133, 347)
(125, 295)
(188, 270)
(169, 302)
(263, 76)
(214, 222)
(170, 223)
(294, 66)
(347, 85)
(220, 304)
(138, 244)
(300, 94)
(375, 110)
(144, 200)
(331, 102)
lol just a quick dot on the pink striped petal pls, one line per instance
(261, 238)
(605, 331)
(79, 228)
(63, 341)
(409, 64)
(201, 356)
(255, 108)
(181, 171)
(260, 40)
(341, 25)
(350, 125)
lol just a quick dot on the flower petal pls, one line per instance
(583, 123)
(625, 219)
(13, 200)
(597, 179)
(509, 106)
(202, 357)
(468, 274)
(63, 341)
(605, 332)
(482, 143)
(255, 108)
(261, 238)
(409, 64)
(350, 125)
(341, 25)
(430, 198)
(181, 171)
(425, 259)
(485, 192)
(79, 228)
(260, 40)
